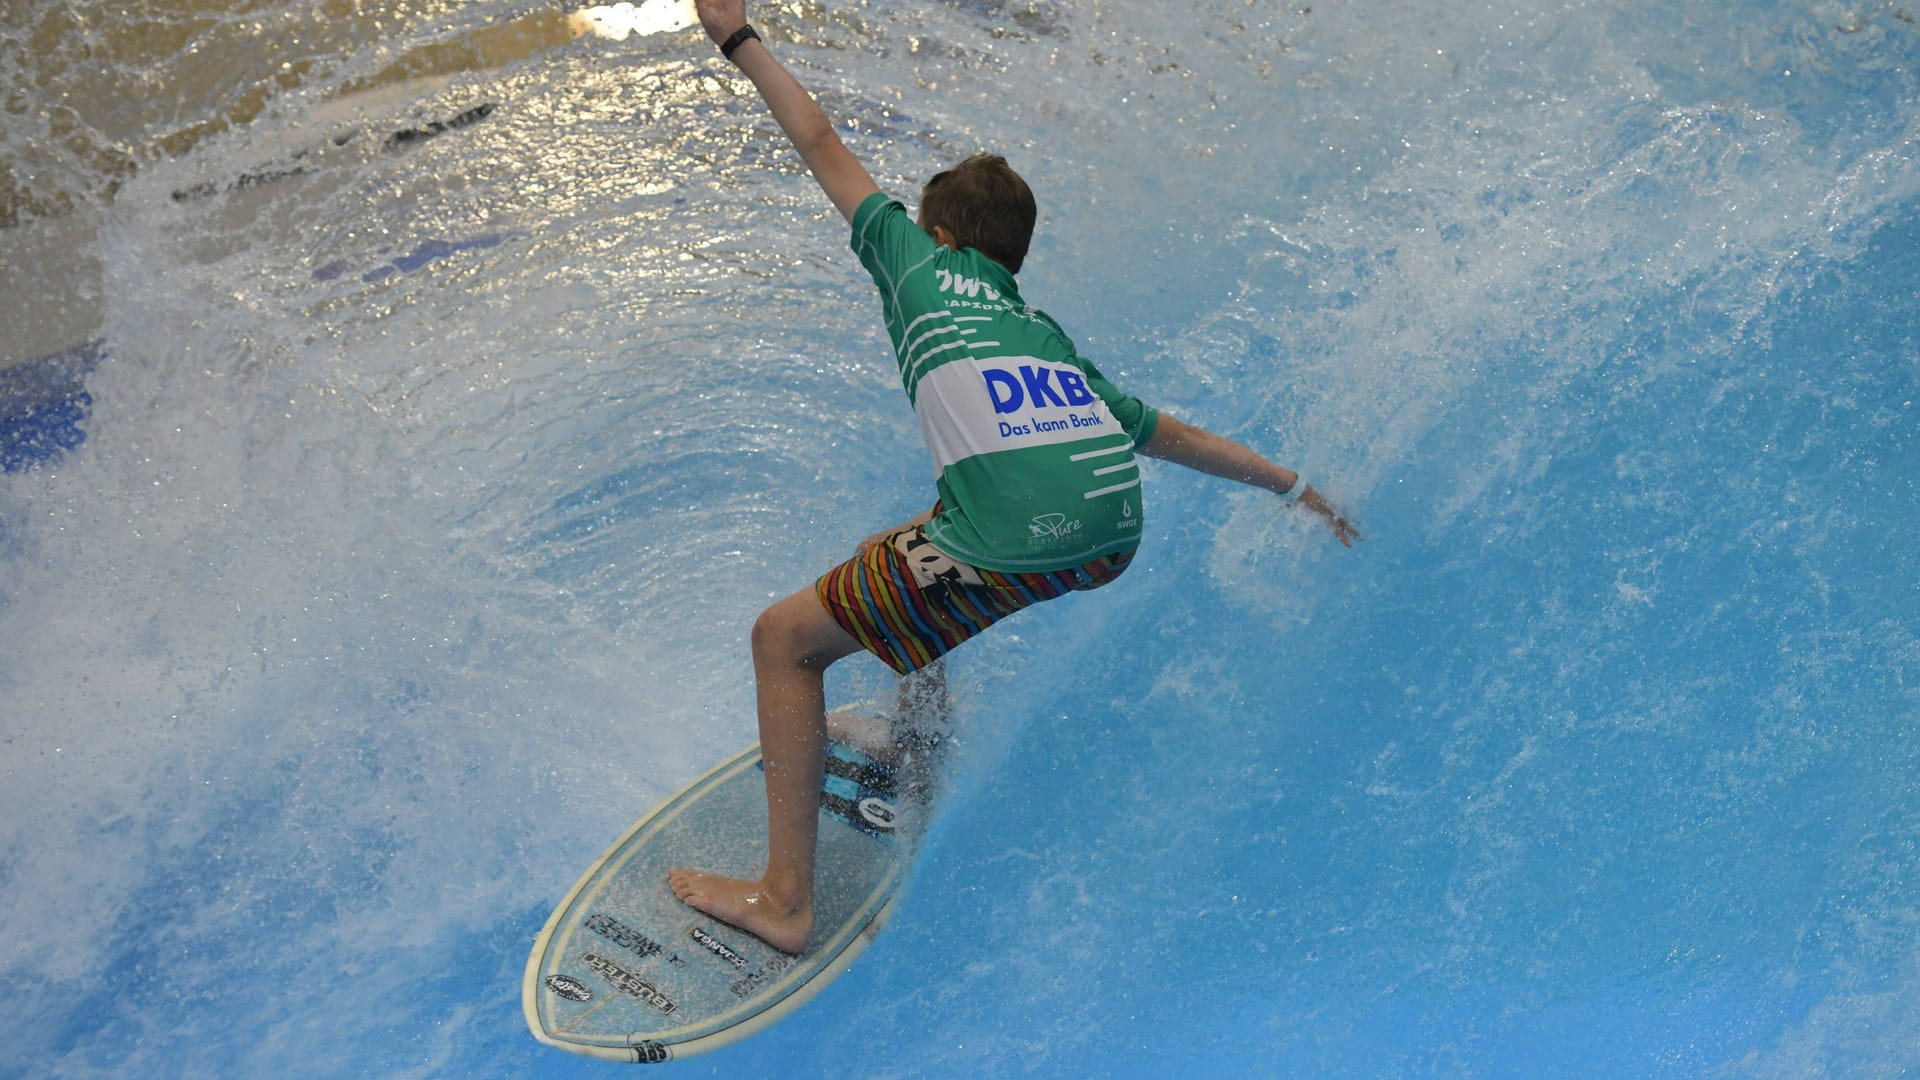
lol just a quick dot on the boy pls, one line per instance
(1034, 456)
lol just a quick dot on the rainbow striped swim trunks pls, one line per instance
(908, 603)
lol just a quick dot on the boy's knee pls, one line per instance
(797, 631)
(769, 632)
(779, 634)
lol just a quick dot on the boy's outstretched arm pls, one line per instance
(1197, 448)
(840, 174)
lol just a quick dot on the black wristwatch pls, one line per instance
(738, 39)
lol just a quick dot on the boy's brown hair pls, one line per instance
(985, 205)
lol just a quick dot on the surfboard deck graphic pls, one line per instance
(624, 971)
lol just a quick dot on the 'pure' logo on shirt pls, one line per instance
(1053, 527)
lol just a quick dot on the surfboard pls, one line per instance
(624, 971)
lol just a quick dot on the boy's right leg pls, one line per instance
(793, 643)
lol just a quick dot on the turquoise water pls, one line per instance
(429, 488)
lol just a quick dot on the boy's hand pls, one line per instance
(1342, 528)
(720, 18)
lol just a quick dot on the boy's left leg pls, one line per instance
(793, 643)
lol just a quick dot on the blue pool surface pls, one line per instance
(389, 543)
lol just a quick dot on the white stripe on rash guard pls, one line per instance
(1135, 482)
(958, 419)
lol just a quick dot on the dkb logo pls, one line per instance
(1035, 385)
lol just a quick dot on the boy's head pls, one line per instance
(985, 205)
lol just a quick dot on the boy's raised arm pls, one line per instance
(840, 174)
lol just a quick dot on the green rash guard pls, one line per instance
(1032, 448)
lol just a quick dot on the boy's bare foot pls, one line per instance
(748, 905)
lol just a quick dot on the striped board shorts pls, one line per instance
(908, 603)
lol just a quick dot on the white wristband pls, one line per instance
(1299, 488)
